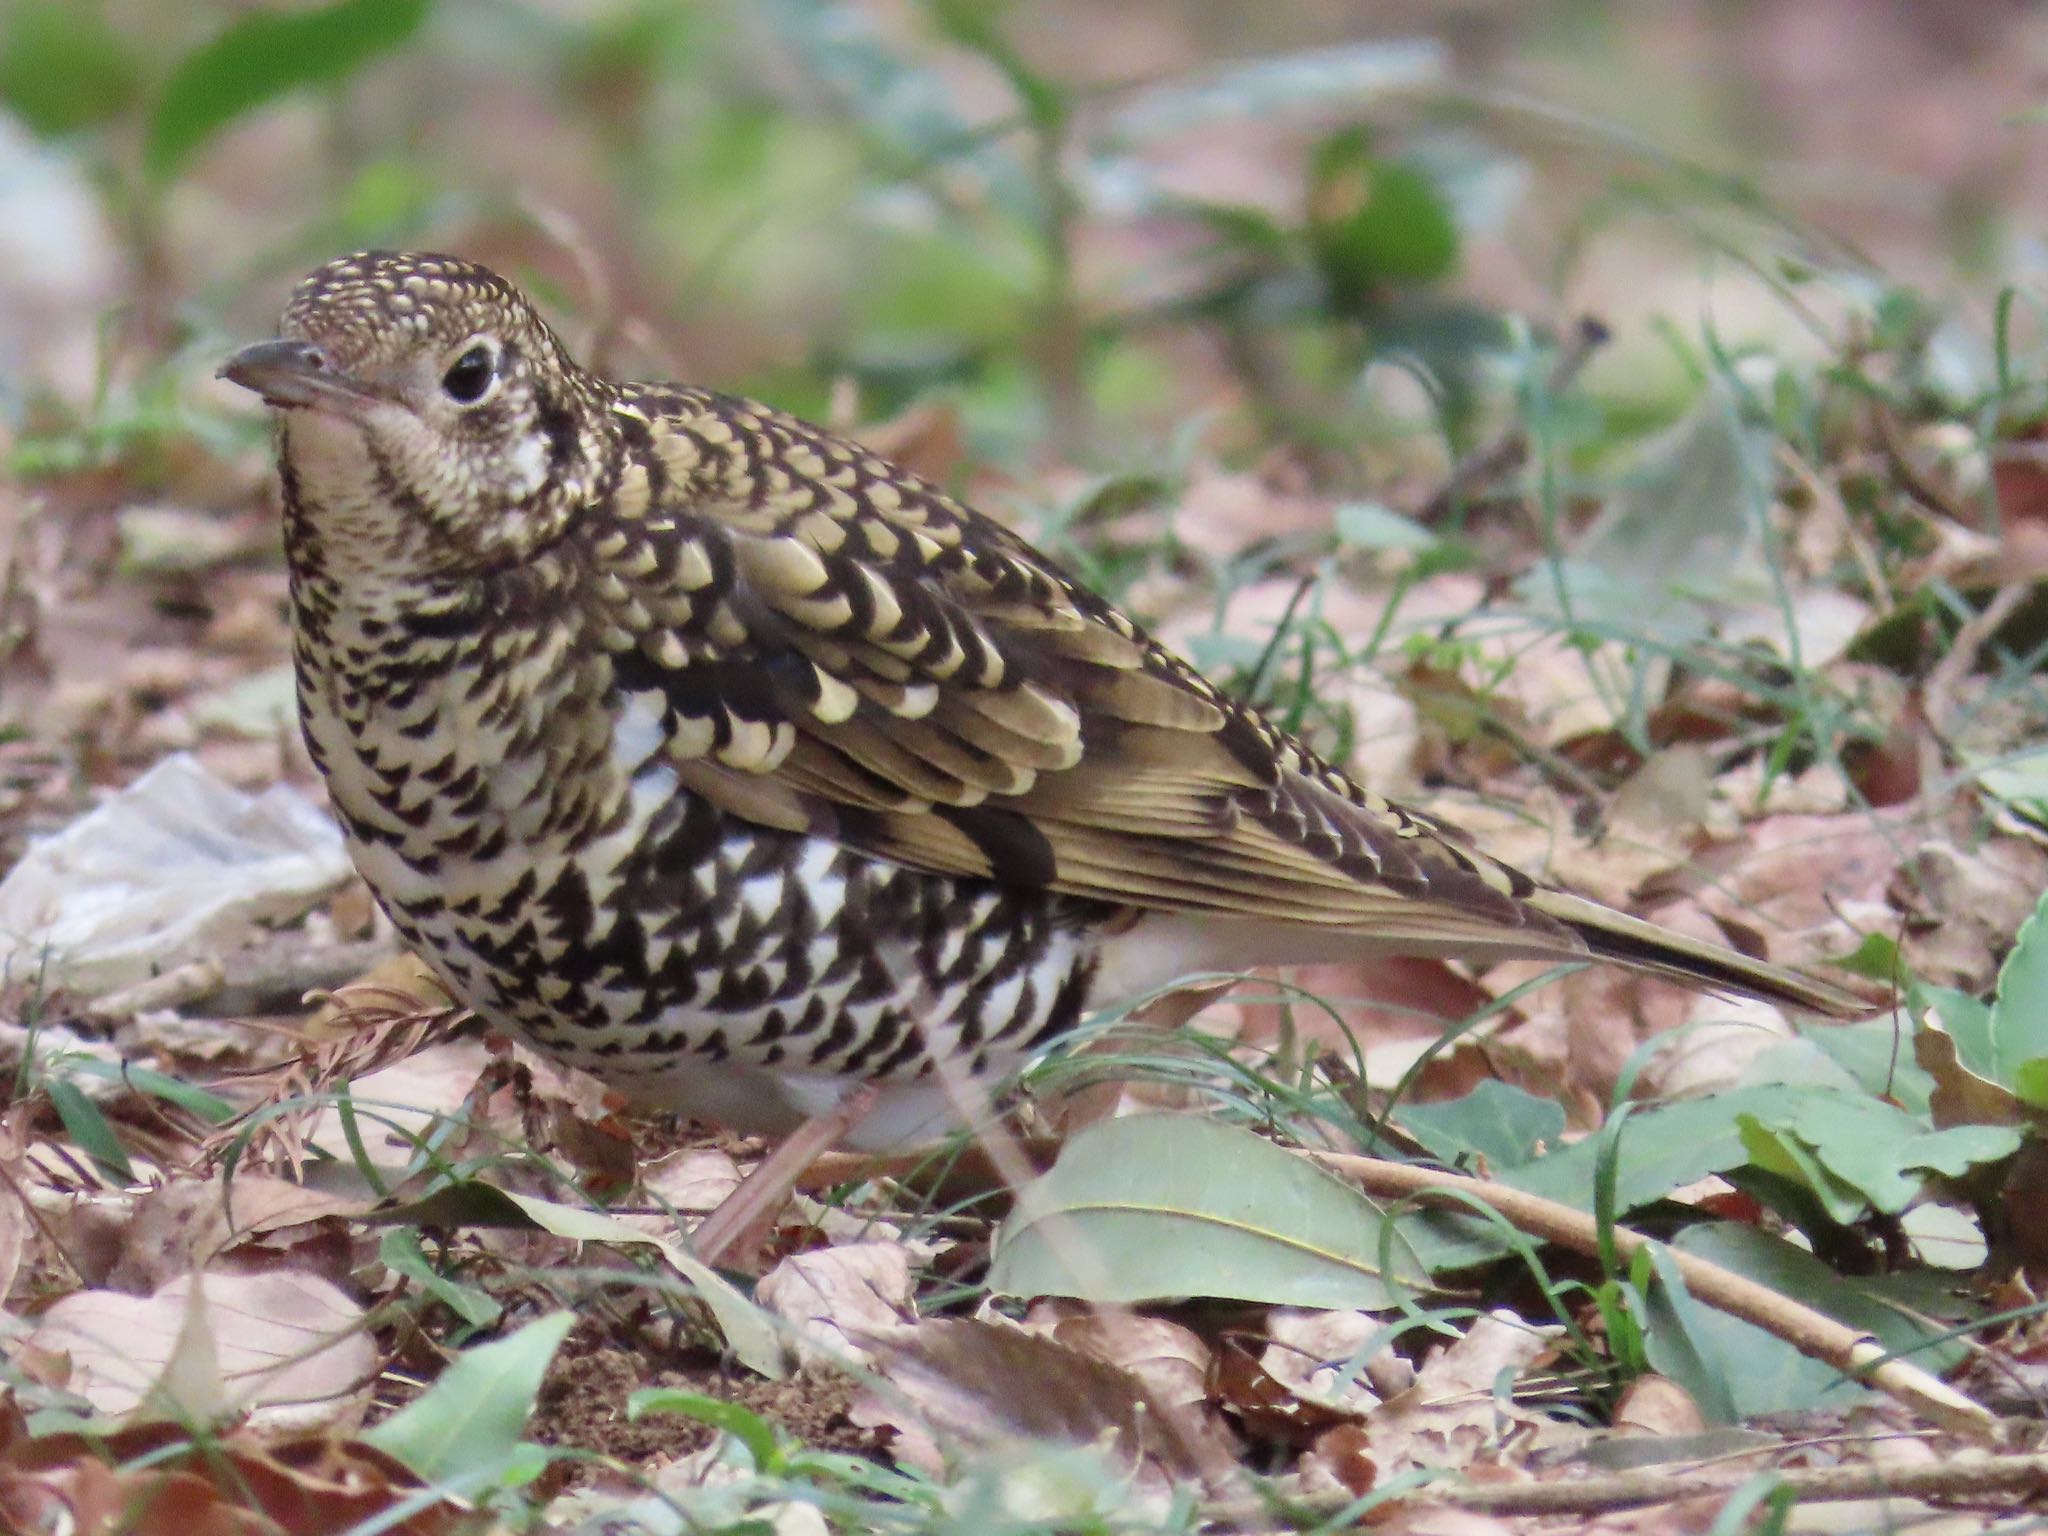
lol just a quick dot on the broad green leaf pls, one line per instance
(2019, 1012)
(261, 56)
(1852, 1150)
(1663, 1148)
(1762, 1373)
(1375, 221)
(1176, 1205)
(1967, 1022)
(1496, 1121)
(1671, 1320)
(1785, 1155)
(63, 68)
(1878, 1055)
(1877, 957)
(464, 1432)
(755, 1338)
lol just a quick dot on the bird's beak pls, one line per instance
(294, 374)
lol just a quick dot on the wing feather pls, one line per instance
(855, 653)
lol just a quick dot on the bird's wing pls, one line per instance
(861, 645)
(839, 647)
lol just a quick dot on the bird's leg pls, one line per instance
(735, 1232)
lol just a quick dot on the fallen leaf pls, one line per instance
(1340, 1459)
(1315, 1355)
(984, 1383)
(1657, 1405)
(289, 1347)
(1171, 1360)
(1452, 1416)
(187, 1224)
(693, 1180)
(834, 1298)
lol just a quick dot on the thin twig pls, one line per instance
(1505, 453)
(1856, 1355)
(1956, 1478)
(1946, 676)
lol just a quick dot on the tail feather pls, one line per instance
(1642, 946)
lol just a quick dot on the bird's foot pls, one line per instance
(733, 1235)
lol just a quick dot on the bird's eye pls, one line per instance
(470, 376)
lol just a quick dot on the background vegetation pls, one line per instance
(1616, 428)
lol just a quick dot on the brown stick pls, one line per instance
(1856, 1355)
(1957, 1478)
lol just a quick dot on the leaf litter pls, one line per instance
(1504, 688)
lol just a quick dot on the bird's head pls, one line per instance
(429, 418)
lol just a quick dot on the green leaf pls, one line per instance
(2021, 782)
(191, 1098)
(87, 1127)
(747, 1427)
(2019, 1010)
(1153, 1206)
(1878, 1056)
(401, 1251)
(1374, 221)
(1663, 1148)
(63, 68)
(1853, 1150)
(1496, 1121)
(464, 1432)
(264, 55)
(755, 1338)
(1967, 1022)
(1763, 1374)
(1876, 957)
(1671, 1322)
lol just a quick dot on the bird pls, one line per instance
(707, 751)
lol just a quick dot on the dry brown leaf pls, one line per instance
(1657, 1405)
(985, 1383)
(1340, 1461)
(1372, 1016)
(1410, 1518)
(693, 1180)
(1964, 906)
(397, 1103)
(1726, 1037)
(188, 1224)
(1170, 1360)
(835, 1298)
(287, 1346)
(1451, 1418)
(925, 439)
(1311, 1353)
(145, 1479)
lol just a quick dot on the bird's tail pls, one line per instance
(1641, 946)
